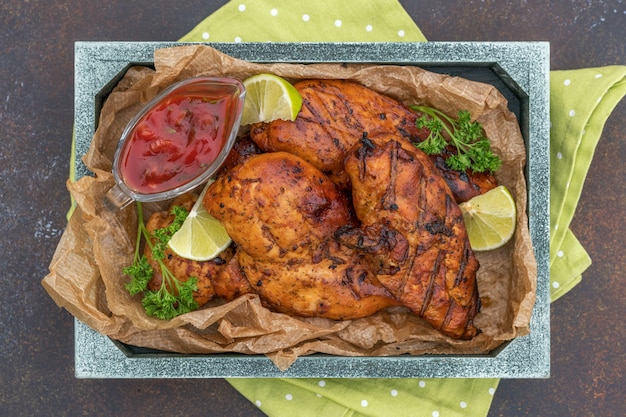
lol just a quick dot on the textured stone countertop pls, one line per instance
(36, 113)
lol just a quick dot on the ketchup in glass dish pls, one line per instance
(177, 141)
(174, 142)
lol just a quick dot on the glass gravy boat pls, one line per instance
(177, 141)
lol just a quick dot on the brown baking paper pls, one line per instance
(86, 271)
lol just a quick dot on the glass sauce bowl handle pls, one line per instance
(115, 199)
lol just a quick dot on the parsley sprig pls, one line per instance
(473, 149)
(173, 296)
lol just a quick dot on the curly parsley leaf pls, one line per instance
(164, 305)
(173, 297)
(141, 272)
(473, 149)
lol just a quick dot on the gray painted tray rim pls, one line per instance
(523, 65)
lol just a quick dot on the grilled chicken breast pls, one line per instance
(278, 207)
(282, 212)
(335, 115)
(413, 234)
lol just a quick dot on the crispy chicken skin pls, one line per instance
(413, 234)
(183, 268)
(283, 213)
(335, 115)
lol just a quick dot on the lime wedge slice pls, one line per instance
(269, 97)
(490, 219)
(201, 237)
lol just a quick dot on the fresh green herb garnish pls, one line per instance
(173, 297)
(473, 149)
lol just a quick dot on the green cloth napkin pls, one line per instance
(313, 21)
(581, 101)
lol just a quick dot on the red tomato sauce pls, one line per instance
(173, 143)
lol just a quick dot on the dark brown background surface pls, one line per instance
(36, 113)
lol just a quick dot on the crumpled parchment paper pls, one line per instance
(86, 271)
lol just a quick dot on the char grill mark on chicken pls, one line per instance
(336, 114)
(413, 234)
(463, 184)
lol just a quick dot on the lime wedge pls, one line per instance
(490, 219)
(269, 97)
(201, 237)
